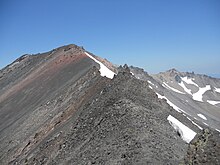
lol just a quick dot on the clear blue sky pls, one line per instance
(153, 34)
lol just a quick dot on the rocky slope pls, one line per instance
(39, 93)
(124, 124)
(60, 108)
(195, 96)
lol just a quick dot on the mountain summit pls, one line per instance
(68, 106)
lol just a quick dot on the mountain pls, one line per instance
(195, 96)
(68, 106)
(41, 92)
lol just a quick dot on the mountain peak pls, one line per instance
(173, 70)
(68, 47)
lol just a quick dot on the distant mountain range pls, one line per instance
(195, 96)
(68, 106)
(215, 75)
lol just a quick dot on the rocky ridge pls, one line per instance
(57, 109)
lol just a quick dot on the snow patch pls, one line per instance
(194, 123)
(173, 89)
(205, 124)
(185, 88)
(150, 87)
(198, 95)
(189, 81)
(202, 116)
(160, 96)
(189, 118)
(150, 82)
(217, 90)
(195, 118)
(213, 102)
(186, 133)
(103, 69)
(197, 125)
(170, 103)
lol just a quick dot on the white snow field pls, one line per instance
(217, 90)
(103, 69)
(173, 89)
(213, 102)
(202, 116)
(150, 82)
(185, 88)
(186, 133)
(198, 95)
(217, 130)
(189, 81)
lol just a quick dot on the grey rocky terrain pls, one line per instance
(204, 149)
(56, 108)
